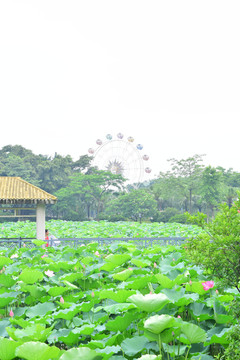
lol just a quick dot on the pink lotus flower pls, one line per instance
(14, 256)
(49, 273)
(11, 313)
(190, 282)
(130, 268)
(97, 253)
(179, 317)
(61, 300)
(44, 255)
(3, 269)
(208, 285)
(155, 265)
(92, 294)
(238, 211)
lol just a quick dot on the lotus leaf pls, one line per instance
(123, 275)
(96, 344)
(57, 290)
(193, 333)
(149, 302)
(120, 323)
(164, 281)
(202, 357)
(6, 298)
(30, 276)
(196, 287)
(141, 263)
(158, 323)
(67, 337)
(220, 314)
(36, 351)
(218, 335)
(174, 350)
(117, 259)
(132, 346)
(118, 296)
(67, 314)
(7, 348)
(7, 280)
(82, 353)
(40, 309)
(150, 357)
(34, 332)
(118, 308)
(139, 283)
(4, 261)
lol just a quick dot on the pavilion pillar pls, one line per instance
(40, 218)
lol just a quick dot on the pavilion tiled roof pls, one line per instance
(15, 190)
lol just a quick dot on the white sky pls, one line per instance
(165, 72)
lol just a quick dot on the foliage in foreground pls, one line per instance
(117, 302)
(218, 247)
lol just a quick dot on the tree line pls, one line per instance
(85, 192)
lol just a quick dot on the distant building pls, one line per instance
(19, 193)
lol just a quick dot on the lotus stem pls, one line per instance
(168, 356)
(160, 344)
(186, 357)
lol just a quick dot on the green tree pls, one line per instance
(211, 188)
(90, 190)
(18, 161)
(231, 180)
(136, 205)
(187, 172)
(53, 173)
(82, 164)
(217, 248)
(50, 173)
(166, 191)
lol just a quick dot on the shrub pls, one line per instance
(217, 249)
(178, 218)
(116, 217)
(103, 216)
(166, 214)
(233, 350)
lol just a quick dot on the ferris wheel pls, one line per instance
(121, 156)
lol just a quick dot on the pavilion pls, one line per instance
(20, 194)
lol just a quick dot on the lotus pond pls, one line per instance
(71, 229)
(114, 302)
